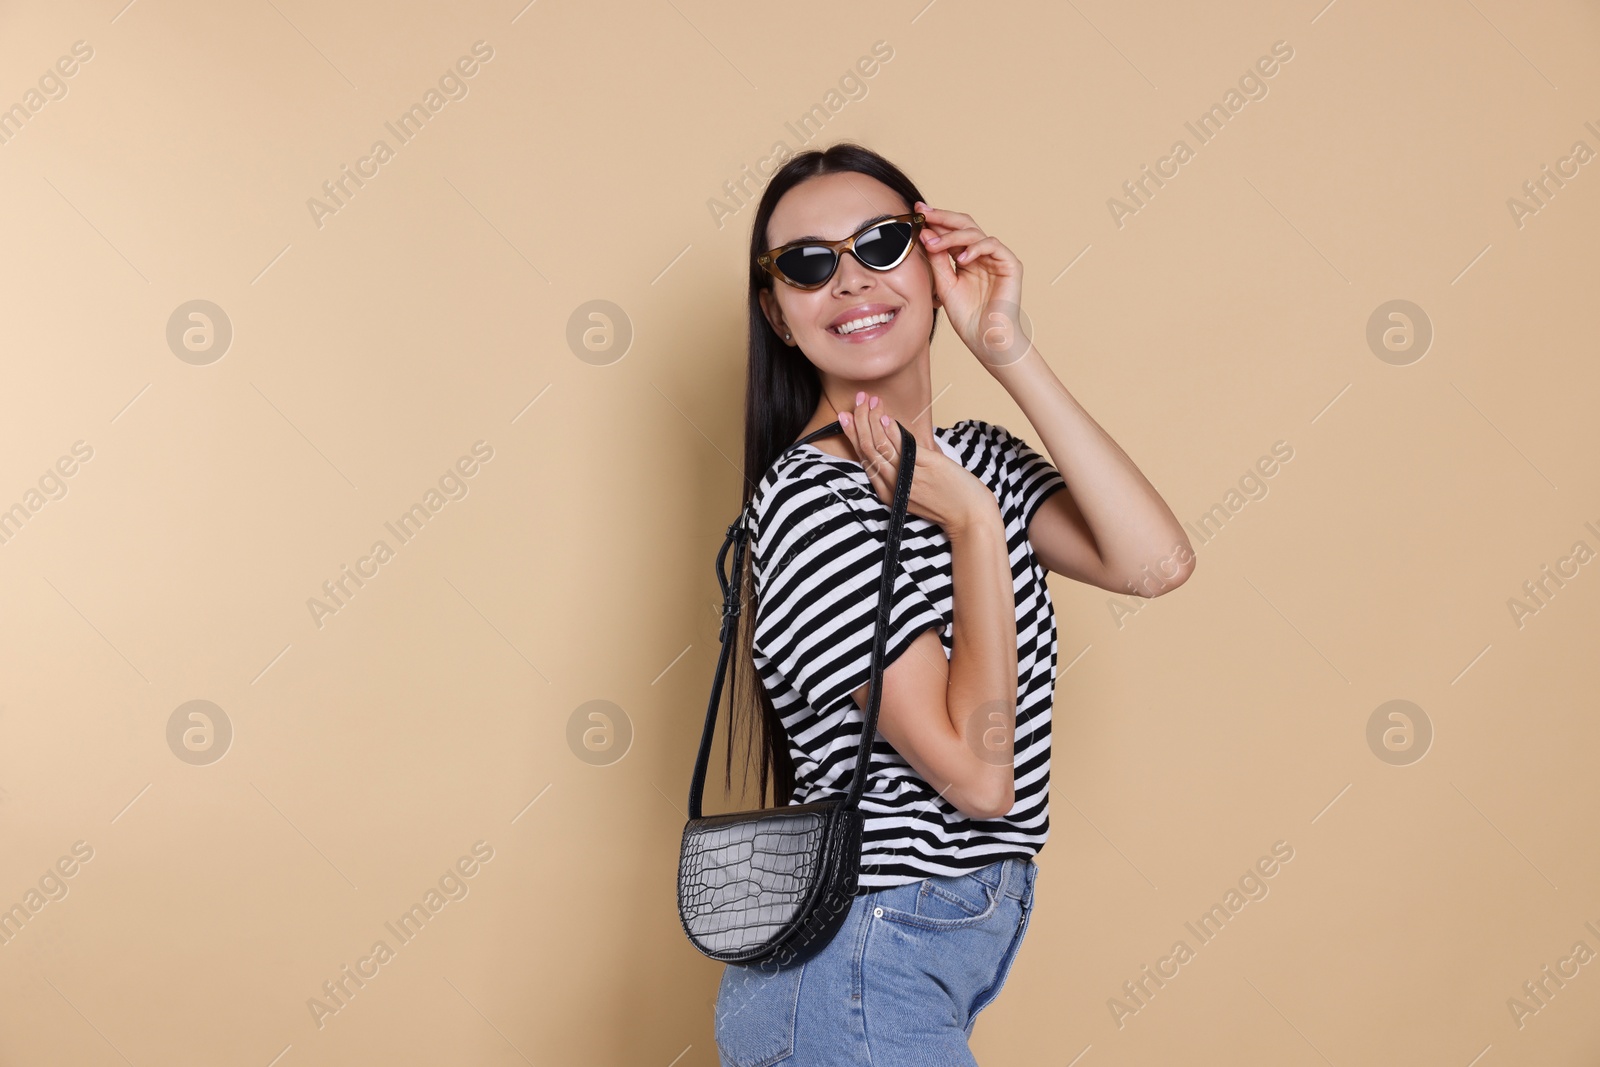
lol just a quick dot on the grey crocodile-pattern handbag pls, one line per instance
(773, 886)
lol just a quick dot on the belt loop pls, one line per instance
(1017, 878)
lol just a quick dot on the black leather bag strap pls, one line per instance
(738, 532)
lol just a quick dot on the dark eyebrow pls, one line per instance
(863, 225)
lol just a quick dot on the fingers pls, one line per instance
(944, 272)
(888, 445)
(967, 246)
(874, 448)
(943, 219)
(874, 442)
(863, 424)
(861, 434)
(944, 242)
(989, 246)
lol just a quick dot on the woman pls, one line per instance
(956, 803)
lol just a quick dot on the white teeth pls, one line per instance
(866, 323)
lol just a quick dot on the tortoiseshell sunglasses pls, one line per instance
(881, 245)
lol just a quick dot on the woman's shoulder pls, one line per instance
(985, 448)
(798, 470)
(978, 431)
(801, 480)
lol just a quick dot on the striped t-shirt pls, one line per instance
(817, 533)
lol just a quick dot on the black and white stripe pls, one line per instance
(816, 536)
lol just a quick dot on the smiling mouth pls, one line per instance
(868, 322)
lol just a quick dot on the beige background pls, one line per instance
(431, 712)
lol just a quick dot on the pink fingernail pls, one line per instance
(884, 419)
(844, 419)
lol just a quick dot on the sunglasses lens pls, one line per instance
(883, 245)
(808, 265)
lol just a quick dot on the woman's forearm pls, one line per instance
(982, 692)
(1132, 528)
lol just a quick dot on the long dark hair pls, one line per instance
(782, 391)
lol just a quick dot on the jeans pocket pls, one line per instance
(756, 1011)
(946, 902)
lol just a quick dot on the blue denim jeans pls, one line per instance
(901, 983)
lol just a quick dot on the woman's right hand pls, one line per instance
(942, 490)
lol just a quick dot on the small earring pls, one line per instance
(786, 337)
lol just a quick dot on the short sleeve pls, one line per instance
(1032, 476)
(818, 561)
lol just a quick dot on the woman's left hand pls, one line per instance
(981, 291)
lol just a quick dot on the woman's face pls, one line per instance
(834, 206)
